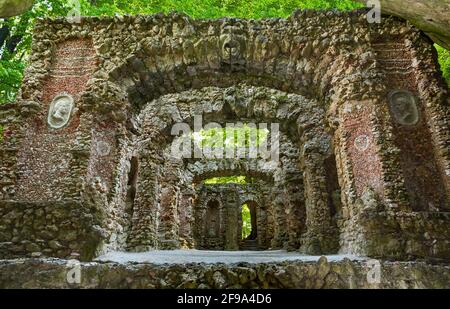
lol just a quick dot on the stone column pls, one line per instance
(279, 219)
(168, 229)
(262, 222)
(232, 205)
(11, 133)
(294, 211)
(270, 223)
(143, 235)
(320, 236)
(197, 215)
(186, 218)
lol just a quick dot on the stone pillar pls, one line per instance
(262, 223)
(168, 228)
(279, 219)
(320, 236)
(361, 173)
(186, 217)
(11, 133)
(270, 230)
(198, 214)
(143, 235)
(435, 97)
(168, 225)
(232, 211)
(295, 207)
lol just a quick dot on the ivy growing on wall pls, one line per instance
(15, 33)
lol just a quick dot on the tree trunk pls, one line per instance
(431, 16)
(9, 8)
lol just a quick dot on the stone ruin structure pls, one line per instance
(364, 166)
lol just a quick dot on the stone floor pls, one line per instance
(211, 257)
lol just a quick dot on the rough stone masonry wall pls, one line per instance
(61, 229)
(41, 178)
(52, 273)
(231, 197)
(58, 166)
(411, 157)
(107, 69)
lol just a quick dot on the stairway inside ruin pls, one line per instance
(249, 245)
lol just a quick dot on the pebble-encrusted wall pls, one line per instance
(363, 117)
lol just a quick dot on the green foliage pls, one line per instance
(228, 179)
(213, 8)
(1, 133)
(246, 221)
(231, 138)
(14, 50)
(11, 75)
(444, 61)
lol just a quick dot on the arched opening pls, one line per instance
(132, 179)
(249, 225)
(131, 185)
(230, 181)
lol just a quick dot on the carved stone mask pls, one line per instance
(403, 106)
(232, 44)
(60, 111)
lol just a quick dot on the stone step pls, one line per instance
(249, 245)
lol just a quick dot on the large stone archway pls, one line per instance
(296, 117)
(337, 95)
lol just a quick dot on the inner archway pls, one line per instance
(189, 154)
(249, 226)
(249, 221)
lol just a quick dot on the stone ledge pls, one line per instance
(52, 273)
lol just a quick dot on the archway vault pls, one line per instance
(299, 120)
(129, 79)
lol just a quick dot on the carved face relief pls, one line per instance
(231, 48)
(232, 43)
(60, 111)
(403, 107)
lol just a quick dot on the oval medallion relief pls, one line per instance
(60, 111)
(362, 142)
(403, 106)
